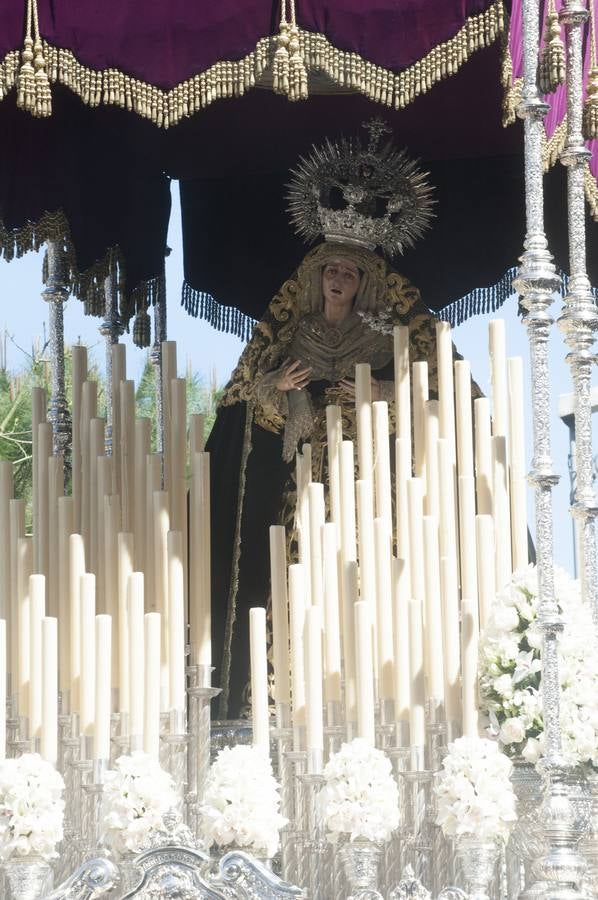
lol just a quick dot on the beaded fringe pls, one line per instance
(232, 79)
(224, 318)
(480, 301)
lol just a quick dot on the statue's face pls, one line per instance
(340, 281)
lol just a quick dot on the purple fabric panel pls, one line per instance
(165, 43)
(516, 38)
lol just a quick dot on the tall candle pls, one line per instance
(384, 642)
(39, 406)
(486, 574)
(96, 449)
(49, 666)
(297, 622)
(498, 377)
(126, 557)
(176, 630)
(451, 645)
(66, 527)
(446, 390)
(403, 474)
(402, 383)
(135, 608)
(348, 537)
(420, 396)
(317, 516)
(153, 466)
(3, 681)
(24, 571)
(103, 654)
(55, 492)
(402, 688)
(169, 371)
(364, 672)
(417, 726)
(119, 374)
(87, 679)
(105, 488)
(332, 641)
(448, 506)
(196, 434)
(334, 434)
(483, 456)
(363, 409)
(16, 514)
(178, 428)
(382, 479)
(200, 590)
(468, 561)
(518, 483)
(76, 570)
(367, 557)
(432, 499)
(127, 454)
(350, 597)
(89, 410)
(151, 717)
(44, 451)
(469, 657)
(416, 543)
(161, 529)
(433, 629)
(463, 416)
(6, 489)
(37, 611)
(112, 527)
(313, 678)
(304, 478)
(280, 614)
(259, 679)
(502, 517)
(142, 451)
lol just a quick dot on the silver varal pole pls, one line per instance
(111, 329)
(579, 319)
(156, 358)
(563, 810)
(56, 294)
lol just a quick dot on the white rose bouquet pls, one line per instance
(137, 796)
(473, 791)
(510, 671)
(31, 807)
(241, 803)
(360, 797)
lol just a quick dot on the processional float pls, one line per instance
(102, 209)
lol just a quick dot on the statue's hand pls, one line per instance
(292, 376)
(349, 386)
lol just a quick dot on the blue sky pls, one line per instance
(24, 313)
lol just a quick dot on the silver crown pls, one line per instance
(372, 196)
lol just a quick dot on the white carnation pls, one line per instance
(31, 807)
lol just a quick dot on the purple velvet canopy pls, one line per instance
(141, 93)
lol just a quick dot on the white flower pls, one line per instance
(31, 807)
(241, 802)
(360, 796)
(138, 793)
(512, 731)
(474, 792)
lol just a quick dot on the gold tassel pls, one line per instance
(297, 70)
(33, 86)
(551, 70)
(26, 78)
(43, 97)
(590, 107)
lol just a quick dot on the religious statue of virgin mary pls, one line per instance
(338, 309)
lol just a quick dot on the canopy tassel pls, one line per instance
(289, 72)
(33, 86)
(298, 71)
(281, 66)
(590, 109)
(551, 71)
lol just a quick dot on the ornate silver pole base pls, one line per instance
(110, 329)
(56, 294)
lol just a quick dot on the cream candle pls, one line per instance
(66, 527)
(76, 570)
(332, 640)
(176, 630)
(280, 613)
(417, 724)
(37, 611)
(446, 387)
(313, 679)
(364, 671)
(403, 474)
(6, 491)
(297, 622)
(348, 537)
(151, 712)
(420, 396)
(49, 667)
(448, 507)
(350, 597)
(79, 375)
(334, 434)
(161, 504)
(384, 641)
(363, 412)
(432, 487)
(483, 456)
(468, 559)
(103, 660)
(433, 618)
(402, 678)
(126, 557)
(498, 377)
(451, 644)
(502, 516)
(196, 434)
(486, 573)
(127, 454)
(87, 678)
(304, 477)
(469, 657)
(382, 479)
(135, 608)
(3, 682)
(463, 418)
(200, 589)
(259, 679)
(23, 653)
(517, 481)
(402, 383)
(317, 517)
(142, 451)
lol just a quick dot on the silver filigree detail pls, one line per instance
(410, 888)
(253, 879)
(372, 196)
(173, 871)
(93, 879)
(111, 329)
